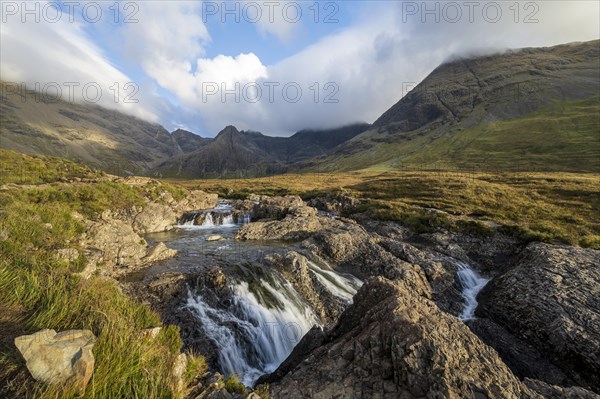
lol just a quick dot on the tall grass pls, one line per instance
(34, 223)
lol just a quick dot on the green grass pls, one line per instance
(556, 208)
(560, 138)
(26, 169)
(43, 292)
(564, 138)
(233, 385)
(549, 207)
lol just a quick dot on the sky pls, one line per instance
(270, 66)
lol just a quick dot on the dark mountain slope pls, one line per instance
(255, 153)
(188, 141)
(536, 106)
(88, 133)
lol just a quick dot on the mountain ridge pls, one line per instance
(463, 100)
(535, 106)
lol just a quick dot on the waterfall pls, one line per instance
(342, 286)
(259, 328)
(228, 220)
(471, 283)
(245, 218)
(208, 221)
(220, 216)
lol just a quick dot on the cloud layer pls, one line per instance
(353, 74)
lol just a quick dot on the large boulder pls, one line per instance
(161, 214)
(113, 247)
(550, 299)
(393, 343)
(274, 207)
(335, 204)
(352, 249)
(159, 252)
(154, 217)
(114, 242)
(59, 358)
(196, 200)
(299, 223)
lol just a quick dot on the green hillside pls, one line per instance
(566, 138)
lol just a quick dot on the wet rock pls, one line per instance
(168, 293)
(550, 299)
(441, 273)
(395, 343)
(59, 358)
(493, 254)
(214, 238)
(313, 339)
(355, 251)
(294, 268)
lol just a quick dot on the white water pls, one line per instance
(254, 339)
(471, 283)
(219, 216)
(342, 286)
(228, 221)
(208, 221)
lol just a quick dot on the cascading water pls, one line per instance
(228, 221)
(471, 283)
(258, 330)
(208, 220)
(220, 216)
(342, 286)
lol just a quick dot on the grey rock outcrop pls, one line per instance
(195, 200)
(113, 247)
(159, 252)
(393, 343)
(154, 217)
(298, 224)
(274, 207)
(550, 299)
(59, 358)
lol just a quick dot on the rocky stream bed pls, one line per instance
(277, 291)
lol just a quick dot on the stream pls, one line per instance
(264, 317)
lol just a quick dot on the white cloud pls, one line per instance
(55, 54)
(278, 18)
(371, 63)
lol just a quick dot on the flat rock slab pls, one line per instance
(59, 358)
